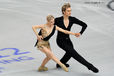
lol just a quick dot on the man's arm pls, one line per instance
(81, 23)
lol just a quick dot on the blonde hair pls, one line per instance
(64, 7)
(50, 17)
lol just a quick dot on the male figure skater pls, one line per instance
(63, 41)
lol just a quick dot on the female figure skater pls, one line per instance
(47, 30)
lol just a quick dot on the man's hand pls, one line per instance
(77, 34)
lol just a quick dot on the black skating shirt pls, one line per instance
(72, 20)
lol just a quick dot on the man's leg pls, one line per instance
(64, 60)
(80, 59)
(63, 46)
(70, 51)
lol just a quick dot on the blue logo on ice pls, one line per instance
(16, 52)
(6, 58)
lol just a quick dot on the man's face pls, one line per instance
(67, 12)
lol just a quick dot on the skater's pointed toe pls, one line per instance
(64, 67)
(42, 69)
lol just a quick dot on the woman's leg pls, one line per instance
(50, 55)
(45, 61)
(42, 67)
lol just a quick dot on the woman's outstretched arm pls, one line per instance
(64, 31)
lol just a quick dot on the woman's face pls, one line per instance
(67, 12)
(51, 22)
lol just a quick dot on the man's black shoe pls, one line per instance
(94, 69)
(58, 66)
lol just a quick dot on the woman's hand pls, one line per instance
(39, 38)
